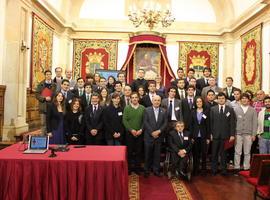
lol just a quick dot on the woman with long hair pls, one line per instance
(141, 93)
(55, 119)
(73, 123)
(104, 97)
(159, 86)
(114, 129)
(110, 84)
(200, 131)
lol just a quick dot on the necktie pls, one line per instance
(181, 136)
(65, 94)
(190, 103)
(95, 110)
(127, 101)
(221, 110)
(87, 99)
(206, 81)
(170, 110)
(182, 95)
(229, 92)
(80, 92)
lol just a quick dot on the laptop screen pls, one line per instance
(38, 142)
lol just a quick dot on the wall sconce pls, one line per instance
(23, 46)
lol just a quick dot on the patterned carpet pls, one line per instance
(156, 188)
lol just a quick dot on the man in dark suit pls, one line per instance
(180, 145)
(125, 99)
(190, 74)
(229, 89)
(79, 91)
(155, 122)
(188, 106)
(222, 128)
(203, 82)
(86, 97)
(147, 99)
(210, 99)
(94, 122)
(197, 92)
(58, 77)
(140, 81)
(173, 107)
(180, 74)
(67, 93)
(181, 91)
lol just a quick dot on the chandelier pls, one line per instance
(151, 15)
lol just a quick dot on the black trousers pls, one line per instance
(94, 140)
(178, 163)
(218, 150)
(135, 148)
(152, 155)
(199, 154)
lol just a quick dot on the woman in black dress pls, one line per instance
(73, 123)
(55, 119)
(200, 131)
(114, 129)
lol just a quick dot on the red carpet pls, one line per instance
(157, 188)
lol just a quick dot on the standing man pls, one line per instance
(79, 91)
(44, 93)
(173, 107)
(121, 76)
(222, 128)
(264, 127)
(94, 122)
(140, 81)
(180, 74)
(181, 91)
(210, 99)
(58, 77)
(236, 94)
(125, 99)
(72, 82)
(258, 104)
(147, 99)
(86, 97)
(197, 92)
(190, 74)
(133, 122)
(67, 93)
(188, 106)
(155, 122)
(229, 89)
(246, 130)
(212, 86)
(203, 82)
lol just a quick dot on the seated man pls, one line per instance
(180, 145)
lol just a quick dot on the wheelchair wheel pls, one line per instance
(166, 167)
(190, 167)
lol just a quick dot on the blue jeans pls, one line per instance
(264, 145)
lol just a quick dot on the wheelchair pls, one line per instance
(167, 169)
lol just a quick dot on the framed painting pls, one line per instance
(149, 60)
(41, 55)
(251, 59)
(106, 73)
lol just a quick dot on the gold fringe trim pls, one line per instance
(133, 187)
(180, 190)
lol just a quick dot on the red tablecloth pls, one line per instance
(94, 173)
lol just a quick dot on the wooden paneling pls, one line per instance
(2, 108)
(32, 111)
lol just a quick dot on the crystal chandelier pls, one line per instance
(151, 15)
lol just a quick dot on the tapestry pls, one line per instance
(198, 55)
(90, 55)
(251, 59)
(42, 45)
(149, 60)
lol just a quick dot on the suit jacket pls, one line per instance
(177, 95)
(200, 83)
(197, 93)
(216, 89)
(175, 143)
(187, 112)
(58, 84)
(203, 127)
(84, 101)
(209, 105)
(222, 126)
(146, 101)
(138, 82)
(94, 121)
(229, 96)
(123, 101)
(177, 108)
(76, 92)
(150, 124)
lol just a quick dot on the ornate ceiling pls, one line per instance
(192, 16)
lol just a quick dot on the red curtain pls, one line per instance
(166, 71)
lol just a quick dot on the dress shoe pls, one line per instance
(224, 173)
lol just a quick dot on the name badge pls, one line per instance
(268, 118)
(70, 101)
(240, 116)
(185, 138)
(120, 113)
(204, 116)
(177, 108)
(228, 114)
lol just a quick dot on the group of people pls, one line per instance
(145, 116)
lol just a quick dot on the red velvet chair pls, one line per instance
(262, 183)
(255, 165)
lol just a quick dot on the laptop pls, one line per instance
(37, 144)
